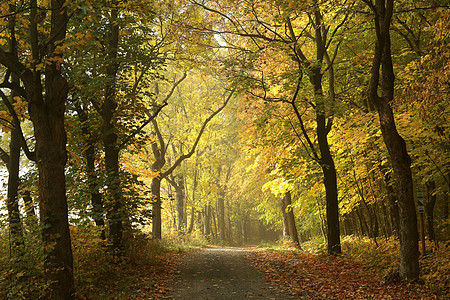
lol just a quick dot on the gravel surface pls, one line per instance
(222, 273)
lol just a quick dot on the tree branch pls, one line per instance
(189, 154)
(31, 155)
(150, 116)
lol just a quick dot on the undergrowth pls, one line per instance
(379, 260)
(98, 274)
(382, 259)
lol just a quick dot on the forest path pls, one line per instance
(222, 273)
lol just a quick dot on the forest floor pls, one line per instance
(241, 273)
(270, 273)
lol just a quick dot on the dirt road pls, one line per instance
(222, 273)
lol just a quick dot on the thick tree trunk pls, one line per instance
(114, 198)
(51, 157)
(331, 191)
(396, 146)
(48, 120)
(409, 264)
(47, 115)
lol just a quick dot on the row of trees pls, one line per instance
(320, 95)
(83, 83)
(130, 93)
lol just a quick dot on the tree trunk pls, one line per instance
(179, 191)
(290, 218)
(245, 228)
(331, 192)
(326, 160)
(214, 223)
(207, 221)
(284, 217)
(392, 198)
(362, 222)
(396, 146)
(13, 164)
(194, 188)
(89, 154)
(114, 198)
(46, 110)
(191, 225)
(429, 208)
(15, 225)
(29, 206)
(221, 216)
(156, 220)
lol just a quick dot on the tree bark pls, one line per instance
(179, 192)
(47, 116)
(401, 161)
(114, 198)
(290, 218)
(46, 109)
(156, 213)
(194, 188)
(221, 215)
(284, 218)
(15, 225)
(392, 198)
(207, 221)
(328, 169)
(191, 224)
(89, 155)
(362, 222)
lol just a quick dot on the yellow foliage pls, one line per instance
(278, 186)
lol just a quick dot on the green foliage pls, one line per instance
(21, 272)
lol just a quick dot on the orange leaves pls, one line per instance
(328, 277)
